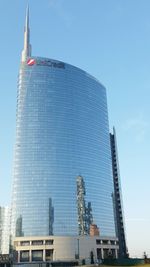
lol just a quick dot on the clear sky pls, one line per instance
(110, 39)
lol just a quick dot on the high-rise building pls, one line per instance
(4, 230)
(62, 181)
(118, 203)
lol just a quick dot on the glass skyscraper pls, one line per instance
(62, 180)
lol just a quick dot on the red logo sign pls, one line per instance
(31, 62)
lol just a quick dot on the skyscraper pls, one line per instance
(62, 180)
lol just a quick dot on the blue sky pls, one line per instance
(111, 40)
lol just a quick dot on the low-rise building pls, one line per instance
(53, 248)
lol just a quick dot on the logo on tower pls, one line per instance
(31, 62)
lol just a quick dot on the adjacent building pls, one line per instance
(62, 183)
(4, 230)
(118, 205)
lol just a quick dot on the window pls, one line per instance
(49, 242)
(37, 255)
(105, 242)
(49, 254)
(25, 243)
(37, 242)
(24, 256)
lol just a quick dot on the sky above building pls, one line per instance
(111, 41)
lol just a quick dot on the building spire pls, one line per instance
(27, 47)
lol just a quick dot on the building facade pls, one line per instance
(62, 180)
(118, 204)
(62, 131)
(4, 230)
(49, 249)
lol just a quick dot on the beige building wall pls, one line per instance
(66, 248)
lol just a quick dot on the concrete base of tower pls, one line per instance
(77, 249)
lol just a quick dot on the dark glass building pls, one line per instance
(118, 204)
(62, 179)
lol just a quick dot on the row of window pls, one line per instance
(106, 242)
(36, 255)
(36, 242)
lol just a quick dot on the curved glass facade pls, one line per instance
(62, 152)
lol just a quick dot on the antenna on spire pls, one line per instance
(27, 47)
(27, 17)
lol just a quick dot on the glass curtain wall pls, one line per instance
(61, 133)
